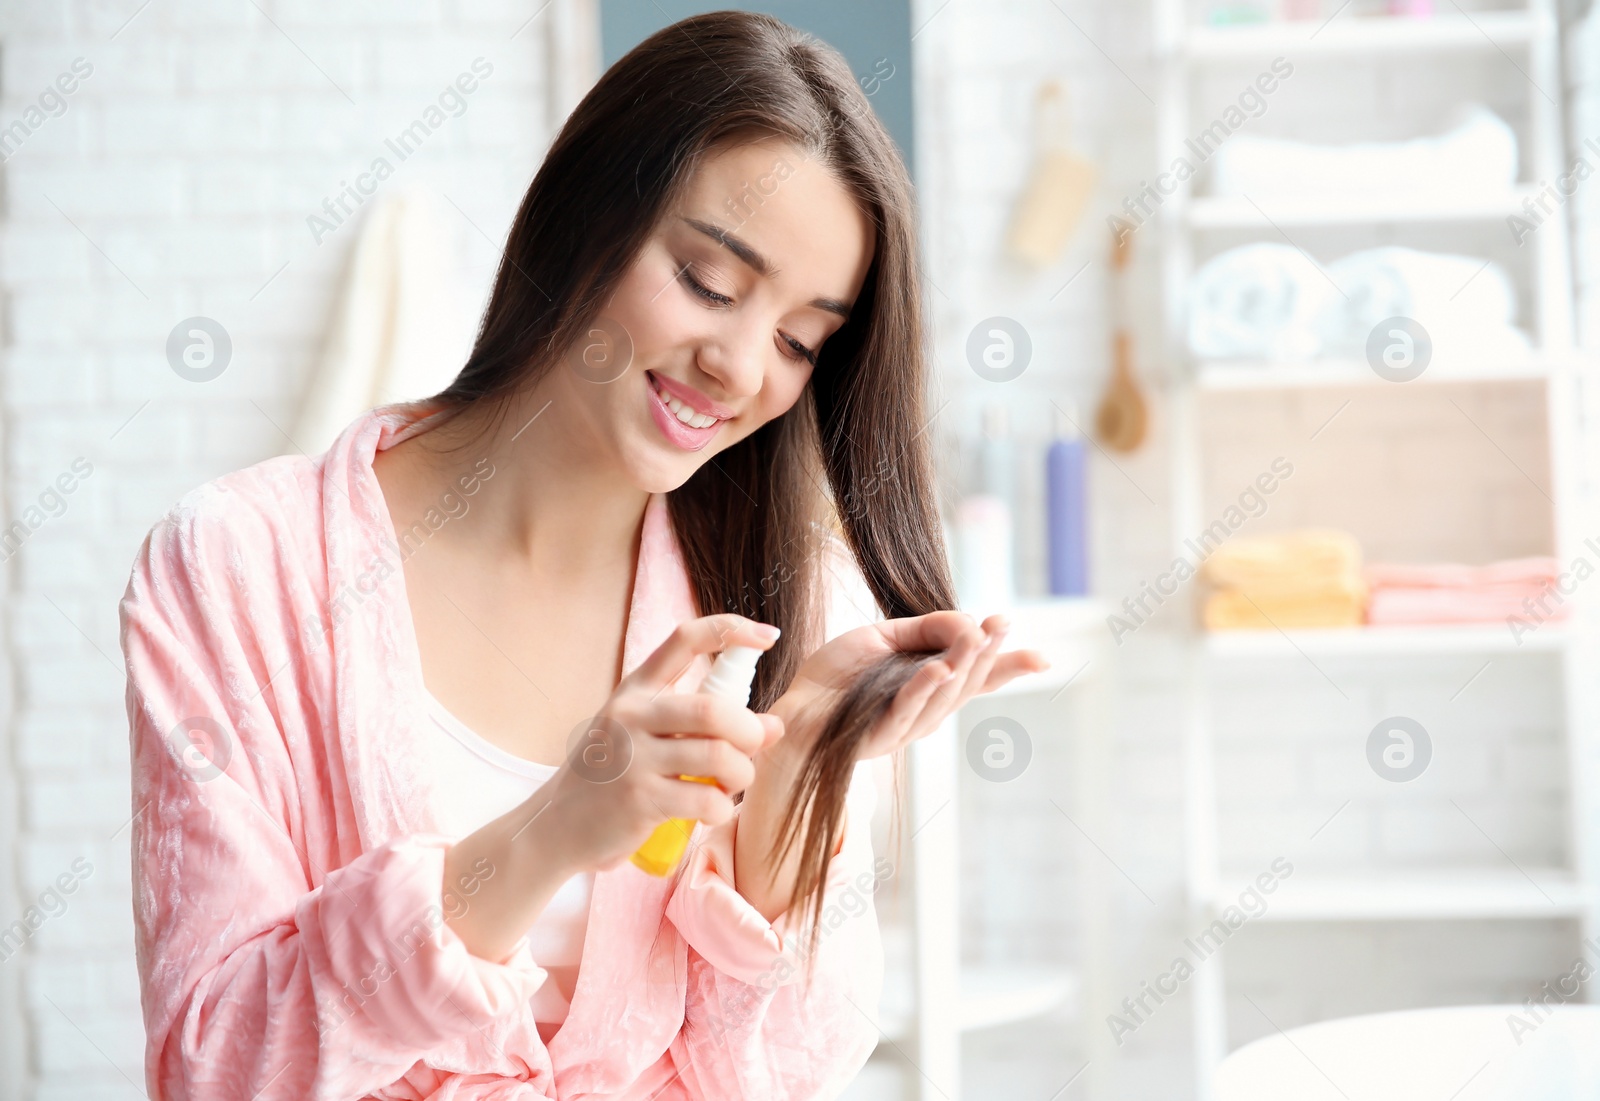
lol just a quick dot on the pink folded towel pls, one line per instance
(1451, 593)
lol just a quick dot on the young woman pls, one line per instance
(400, 715)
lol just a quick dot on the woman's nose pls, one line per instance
(733, 357)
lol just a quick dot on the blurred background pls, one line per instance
(1264, 334)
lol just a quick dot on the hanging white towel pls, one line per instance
(405, 321)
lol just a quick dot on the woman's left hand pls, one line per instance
(971, 664)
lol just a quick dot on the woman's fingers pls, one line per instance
(674, 798)
(1013, 664)
(713, 757)
(773, 728)
(912, 699)
(946, 696)
(706, 635)
(971, 664)
(934, 631)
(705, 715)
(961, 657)
(996, 628)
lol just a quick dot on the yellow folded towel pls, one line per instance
(1285, 562)
(1306, 578)
(1335, 605)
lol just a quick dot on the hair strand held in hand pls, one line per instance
(824, 782)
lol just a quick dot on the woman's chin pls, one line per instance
(653, 469)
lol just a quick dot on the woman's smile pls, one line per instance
(686, 417)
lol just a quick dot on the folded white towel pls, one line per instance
(1476, 156)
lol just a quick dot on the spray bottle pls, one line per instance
(730, 678)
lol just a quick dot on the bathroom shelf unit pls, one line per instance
(1528, 38)
(1476, 32)
(1230, 212)
(1361, 641)
(925, 1019)
(1216, 375)
(1427, 894)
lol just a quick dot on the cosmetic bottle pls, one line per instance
(997, 457)
(984, 523)
(730, 678)
(1066, 509)
(985, 581)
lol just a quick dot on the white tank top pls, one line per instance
(475, 782)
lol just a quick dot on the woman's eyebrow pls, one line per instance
(757, 262)
(750, 256)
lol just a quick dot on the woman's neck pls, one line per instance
(549, 504)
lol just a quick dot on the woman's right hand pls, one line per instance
(618, 784)
(620, 779)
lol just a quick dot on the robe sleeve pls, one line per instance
(753, 1025)
(264, 974)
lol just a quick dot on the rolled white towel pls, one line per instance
(1256, 302)
(1467, 308)
(1268, 302)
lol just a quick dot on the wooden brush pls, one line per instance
(1124, 414)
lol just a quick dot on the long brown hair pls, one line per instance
(753, 521)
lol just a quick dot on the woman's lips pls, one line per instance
(688, 395)
(677, 433)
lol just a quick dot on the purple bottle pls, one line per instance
(1066, 508)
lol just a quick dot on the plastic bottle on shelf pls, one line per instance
(983, 529)
(1066, 508)
(984, 578)
(996, 457)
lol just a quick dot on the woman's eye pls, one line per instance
(703, 291)
(796, 350)
(800, 350)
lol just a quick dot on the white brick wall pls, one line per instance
(178, 182)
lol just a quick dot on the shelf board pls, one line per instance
(991, 995)
(1486, 638)
(1421, 894)
(1233, 375)
(1238, 212)
(997, 995)
(1488, 30)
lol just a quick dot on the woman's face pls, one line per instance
(720, 319)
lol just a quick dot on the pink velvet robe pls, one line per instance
(288, 880)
